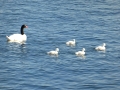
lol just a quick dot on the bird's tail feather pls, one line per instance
(7, 38)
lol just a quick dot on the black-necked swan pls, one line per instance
(53, 52)
(80, 53)
(18, 37)
(71, 43)
(101, 48)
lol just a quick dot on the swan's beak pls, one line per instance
(26, 27)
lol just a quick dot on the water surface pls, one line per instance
(51, 24)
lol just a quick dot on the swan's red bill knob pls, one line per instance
(26, 26)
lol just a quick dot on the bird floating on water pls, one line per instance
(55, 52)
(18, 37)
(80, 53)
(71, 43)
(101, 48)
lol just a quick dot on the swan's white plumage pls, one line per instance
(71, 43)
(53, 52)
(101, 48)
(17, 38)
(80, 53)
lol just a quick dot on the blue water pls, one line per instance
(50, 24)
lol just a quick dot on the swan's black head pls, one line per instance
(22, 27)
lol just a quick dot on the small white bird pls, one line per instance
(101, 48)
(54, 52)
(18, 37)
(80, 53)
(71, 43)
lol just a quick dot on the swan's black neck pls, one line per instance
(22, 30)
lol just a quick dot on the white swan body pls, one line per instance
(71, 43)
(101, 48)
(54, 52)
(80, 53)
(18, 37)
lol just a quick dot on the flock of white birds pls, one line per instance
(78, 53)
(22, 38)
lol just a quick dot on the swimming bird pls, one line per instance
(71, 43)
(53, 52)
(18, 37)
(101, 48)
(80, 53)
